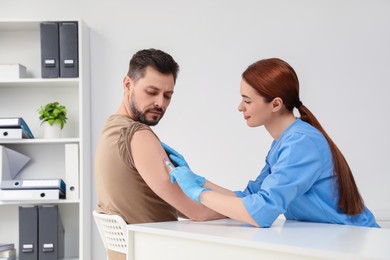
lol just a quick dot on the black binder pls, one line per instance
(69, 64)
(50, 233)
(28, 233)
(50, 67)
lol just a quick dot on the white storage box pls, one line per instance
(12, 71)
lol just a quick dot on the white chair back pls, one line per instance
(112, 229)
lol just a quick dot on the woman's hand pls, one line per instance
(188, 182)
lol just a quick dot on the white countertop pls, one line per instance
(304, 238)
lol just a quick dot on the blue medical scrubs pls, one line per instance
(298, 181)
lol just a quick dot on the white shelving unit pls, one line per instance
(20, 43)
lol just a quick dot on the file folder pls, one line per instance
(14, 133)
(15, 123)
(28, 233)
(69, 64)
(11, 163)
(50, 67)
(33, 194)
(39, 184)
(50, 233)
(72, 171)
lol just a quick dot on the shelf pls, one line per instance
(69, 157)
(40, 141)
(38, 82)
(38, 202)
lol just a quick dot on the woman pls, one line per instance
(305, 177)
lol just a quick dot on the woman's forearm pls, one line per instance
(218, 189)
(226, 204)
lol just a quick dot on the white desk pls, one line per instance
(227, 239)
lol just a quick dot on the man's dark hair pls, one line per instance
(157, 59)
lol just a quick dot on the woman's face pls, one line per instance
(256, 110)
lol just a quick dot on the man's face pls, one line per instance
(150, 96)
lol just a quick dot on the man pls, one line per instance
(131, 178)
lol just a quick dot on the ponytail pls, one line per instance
(350, 200)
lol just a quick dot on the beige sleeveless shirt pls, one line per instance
(120, 188)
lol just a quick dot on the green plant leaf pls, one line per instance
(53, 113)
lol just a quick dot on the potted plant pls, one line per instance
(53, 117)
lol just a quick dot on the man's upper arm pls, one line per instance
(148, 157)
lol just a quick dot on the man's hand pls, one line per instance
(188, 182)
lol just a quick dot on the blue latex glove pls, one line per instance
(179, 161)
(176, 158)
(187, 182)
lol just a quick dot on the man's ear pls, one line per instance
(128, 83)
(277, 104)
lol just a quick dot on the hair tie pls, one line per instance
(299, 104)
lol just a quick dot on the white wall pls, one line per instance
(340, 50)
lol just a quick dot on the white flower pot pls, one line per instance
(51, 131)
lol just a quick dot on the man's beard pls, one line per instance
(141, 117)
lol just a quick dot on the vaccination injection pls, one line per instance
(168, 164)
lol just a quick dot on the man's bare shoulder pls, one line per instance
(146, 143)
(145, 135)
